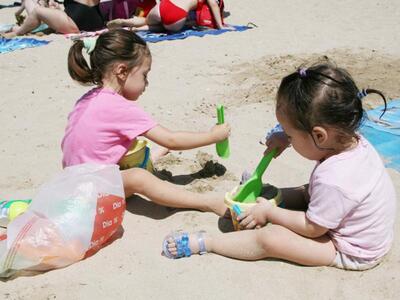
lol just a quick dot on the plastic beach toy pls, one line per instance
(223, 146)
(137, 157)
(252, 188)
(270, 192)
(10, 209)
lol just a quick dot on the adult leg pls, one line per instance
(141, 23)
(139, 181)
(132, 22)
(153, 21)
(271, 241)
(54, 18)
(30, 6)
(177, 26)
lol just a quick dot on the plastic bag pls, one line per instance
(71, 216)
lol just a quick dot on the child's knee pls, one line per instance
(268, 237)
(134, 180)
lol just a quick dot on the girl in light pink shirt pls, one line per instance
(345, 216)
(106, 121)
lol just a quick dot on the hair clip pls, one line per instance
(361, 94)
(89, 44)
(303, 72)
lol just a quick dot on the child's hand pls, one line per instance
(278, 140)
(255, 216)
(221, 132)
(228, 27)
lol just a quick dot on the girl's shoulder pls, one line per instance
(358, 168)
(111, 98)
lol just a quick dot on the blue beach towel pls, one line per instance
(384, 133)
(8, 45)
(152, 37)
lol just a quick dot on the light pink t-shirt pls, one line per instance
(353, 196)
(101, 128)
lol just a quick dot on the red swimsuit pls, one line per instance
(170, 13)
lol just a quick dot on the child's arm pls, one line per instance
(183, 140)
(296, 221)
(215, 12)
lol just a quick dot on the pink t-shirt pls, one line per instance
(353, 196)
(101, 128)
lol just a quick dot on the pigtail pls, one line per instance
(373, 91)
(78, 67)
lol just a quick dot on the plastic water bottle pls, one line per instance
(10, 209)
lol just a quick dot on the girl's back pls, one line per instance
(101, 128)
(352, 194)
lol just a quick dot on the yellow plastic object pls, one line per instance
(137, 157)
(16, 209)
(229, 202)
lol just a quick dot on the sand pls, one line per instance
(188, 77)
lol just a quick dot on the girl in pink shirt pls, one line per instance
(345, 216)
(106, 121)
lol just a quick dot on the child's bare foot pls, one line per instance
(181, 244)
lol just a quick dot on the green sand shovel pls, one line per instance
(223, 146)
(252, 188)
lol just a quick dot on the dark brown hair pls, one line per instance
(116, 45)
(323, 95)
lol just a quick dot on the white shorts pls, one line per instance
(348, 262)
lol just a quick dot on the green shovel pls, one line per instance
(252, 188)
(223, 146)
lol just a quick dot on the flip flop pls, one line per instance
(182, 244)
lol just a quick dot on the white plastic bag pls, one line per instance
(71, 216)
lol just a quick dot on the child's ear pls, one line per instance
(320, 135)
(121, 71)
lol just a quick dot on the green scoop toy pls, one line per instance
(252, 188)
(223, 146)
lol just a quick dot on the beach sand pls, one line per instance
(188, 78)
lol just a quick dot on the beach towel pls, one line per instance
(384, 133)
(152, 37)
(8, 45)
(10, 5)
(6, 27)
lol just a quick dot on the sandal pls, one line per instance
(182, 244)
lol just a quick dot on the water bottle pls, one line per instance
(10, 209)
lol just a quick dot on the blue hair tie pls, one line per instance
(303, 72)
(361, 94)
(89, 44)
